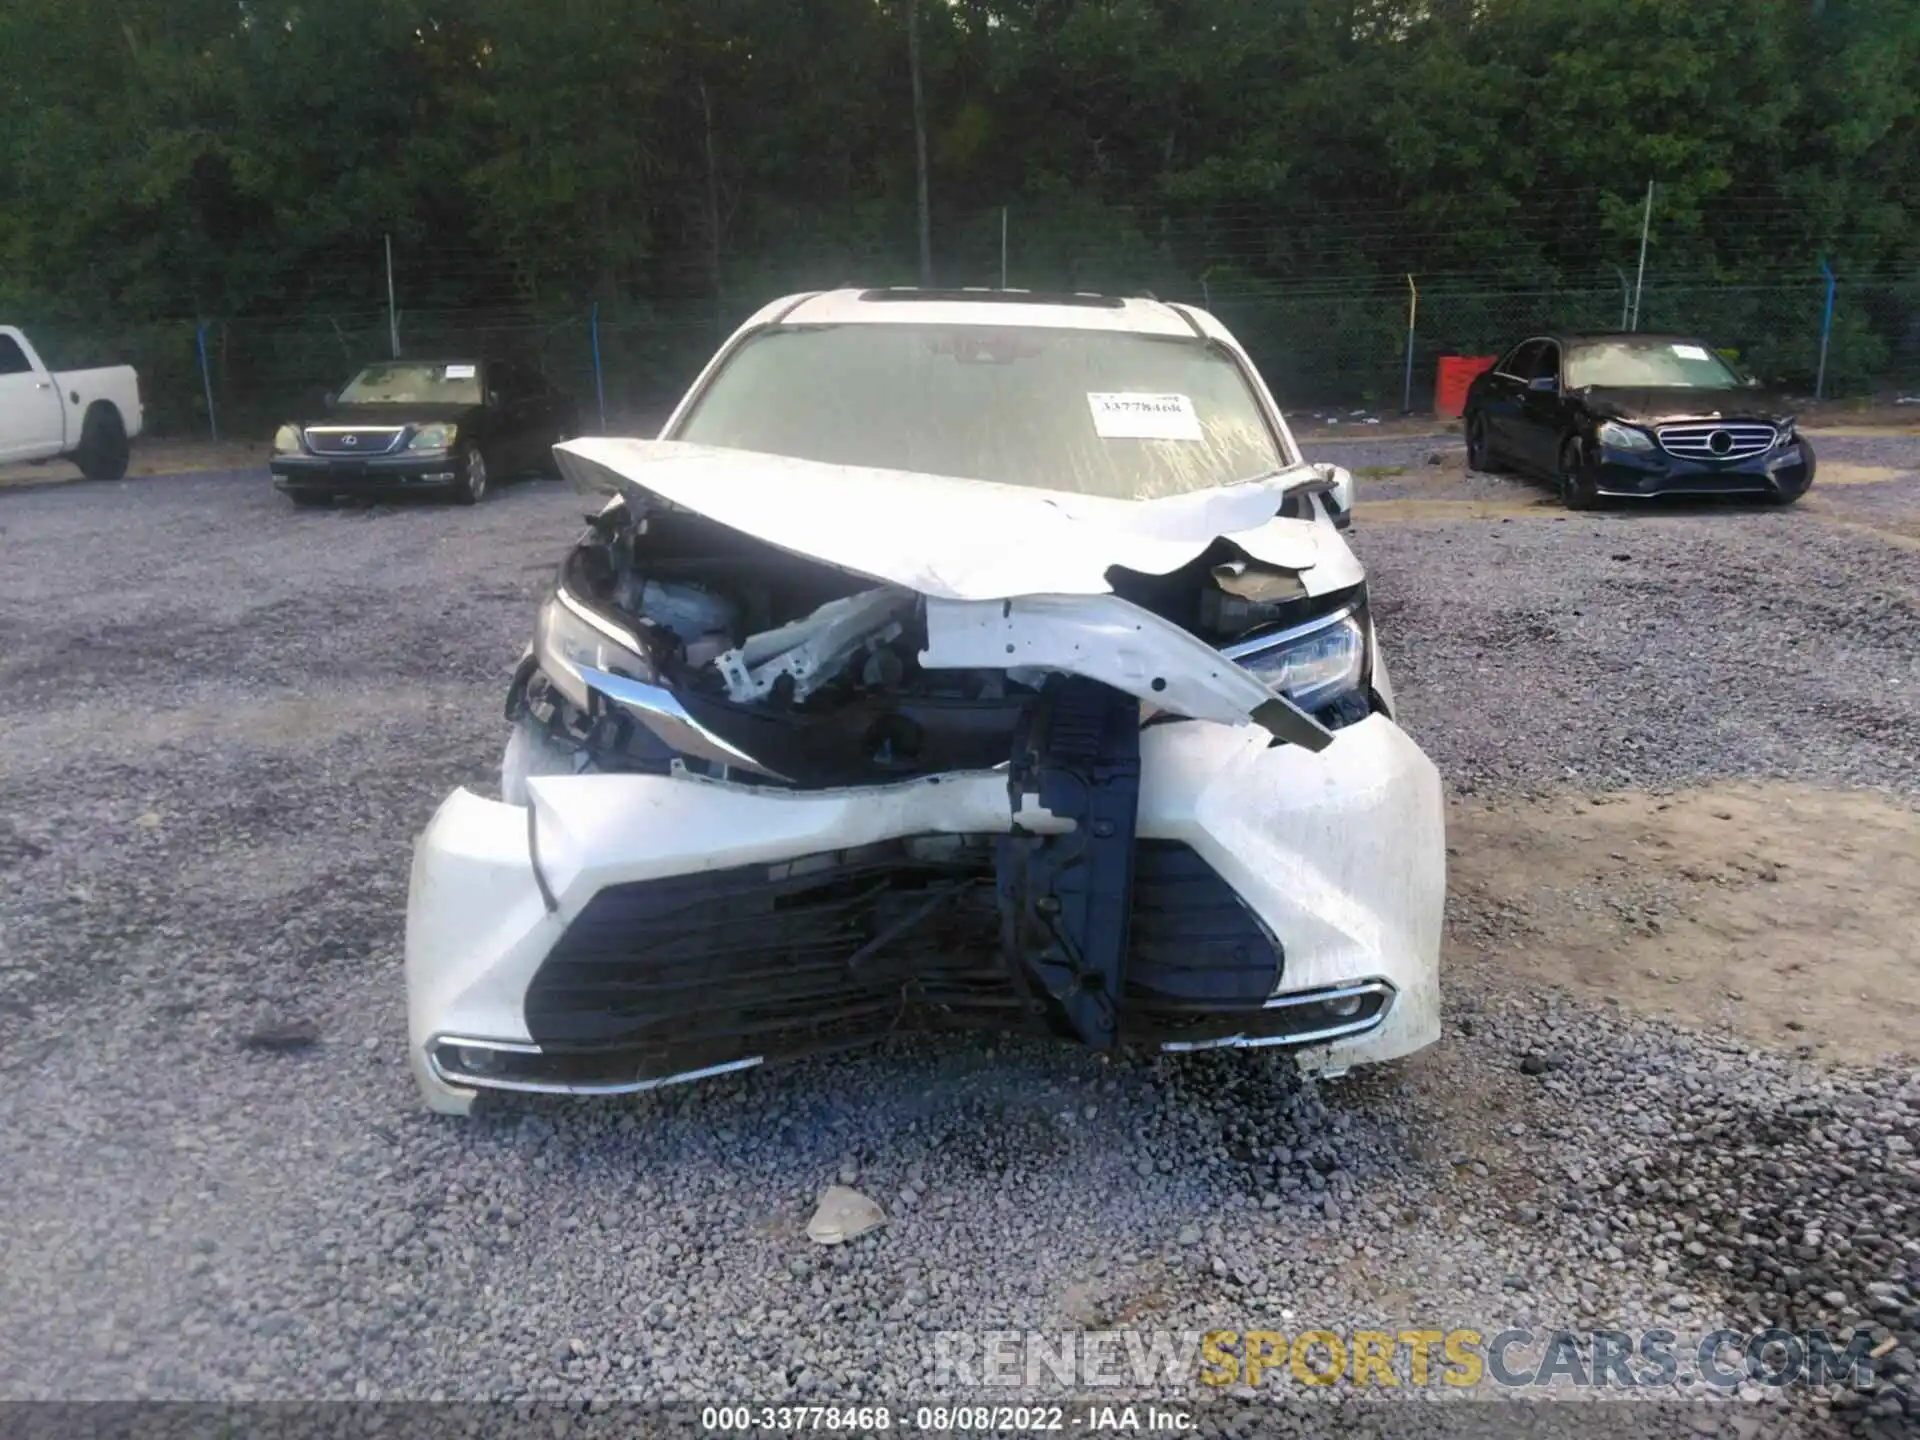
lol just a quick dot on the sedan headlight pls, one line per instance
(1623, 437)
(434, 437)
(569, 635)
(286, 440)
(1312, 664)
(1784, 435)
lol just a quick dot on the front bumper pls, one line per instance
(376, 475)
(1625, 474)
(578, 944)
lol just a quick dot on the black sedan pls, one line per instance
(456, 427)
(1615, 416)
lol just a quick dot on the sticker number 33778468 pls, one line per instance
(1131, 416)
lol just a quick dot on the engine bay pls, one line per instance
(815, 672)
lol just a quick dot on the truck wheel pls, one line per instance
(103, 449)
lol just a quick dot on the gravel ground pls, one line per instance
(226, 721)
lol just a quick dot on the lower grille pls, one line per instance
(839, 949)
(1739, 440)
(344, 441)
(1191, 940)
(776, 959)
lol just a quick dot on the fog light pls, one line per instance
(473, 1060)
(1344, 1005)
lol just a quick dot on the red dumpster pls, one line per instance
(1456, 374)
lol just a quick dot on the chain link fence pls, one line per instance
(1320, 345)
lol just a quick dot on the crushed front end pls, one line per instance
(757, 806)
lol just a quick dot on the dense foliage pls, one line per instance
(181, 158)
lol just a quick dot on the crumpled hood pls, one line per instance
(1653, 406)
(960, 539)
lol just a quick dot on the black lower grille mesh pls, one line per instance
(837, 949)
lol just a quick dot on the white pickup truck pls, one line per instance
(87, 416)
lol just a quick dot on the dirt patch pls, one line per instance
(1840, 473)
(1879, 415)
(1359, 432)
(1901, 532)
(1781, 913)
(151, 457)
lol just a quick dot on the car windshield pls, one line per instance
(413, 382)
(1648, 364)
(1091, 411)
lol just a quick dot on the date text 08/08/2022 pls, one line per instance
(944, 1419)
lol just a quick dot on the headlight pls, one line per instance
(286, 440)
(1312, 664)
(1624, 437)
(1785, 434)
(434, 437)
(569, 634)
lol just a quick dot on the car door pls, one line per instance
(1537, 431)
(1505, 387)
(31, 427)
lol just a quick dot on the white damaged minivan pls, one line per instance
(956, 659)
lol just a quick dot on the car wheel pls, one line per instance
(309, 499)
(1577, 490)
(474, 485)
(103, 449)
(1480, 454)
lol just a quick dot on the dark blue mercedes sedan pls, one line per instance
(1631, 416)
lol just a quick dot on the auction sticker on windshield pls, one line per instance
(1130, 416)
(461, 372)
(1690, 352)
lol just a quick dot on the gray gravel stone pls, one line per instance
(294, 693)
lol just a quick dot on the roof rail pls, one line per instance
(996, 297)
(1186, 314)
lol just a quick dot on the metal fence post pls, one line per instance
(1640, 278)
(1413, 311)
(599, 378)
(1826, 332)
(206, 381)
(393, 314)
(1626, 296)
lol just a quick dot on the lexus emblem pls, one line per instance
(351, 440)
(1720, 442)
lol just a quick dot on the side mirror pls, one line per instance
(329, 400)
(1338, 495)
(1544, 385)
(493, 398)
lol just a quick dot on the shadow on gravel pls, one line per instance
(982, 1109)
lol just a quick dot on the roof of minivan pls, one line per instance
(902, 306)
(1637, 337)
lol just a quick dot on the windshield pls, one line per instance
(1095, 412)
(1645, 364)
(413, 382)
